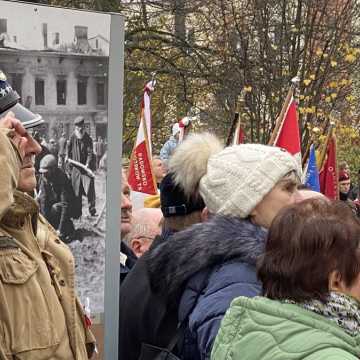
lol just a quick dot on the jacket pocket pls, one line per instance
(28, 330)
(16, 267)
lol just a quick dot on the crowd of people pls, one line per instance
(66, 170)
(235, 260)
(244, 248)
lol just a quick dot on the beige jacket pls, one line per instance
(40, 315)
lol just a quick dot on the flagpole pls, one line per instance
(308, 148)
(234, 123)
(281, 117)
(324, 149)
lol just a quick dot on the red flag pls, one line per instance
(328, 174)
(141, 178)
(288, 137)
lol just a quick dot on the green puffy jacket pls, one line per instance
(264, 329)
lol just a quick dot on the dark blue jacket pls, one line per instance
(212, 263)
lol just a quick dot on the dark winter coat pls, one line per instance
(58, 189)
(143, 315)
(197, 271)
(80, 150)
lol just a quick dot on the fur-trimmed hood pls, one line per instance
(202, 246)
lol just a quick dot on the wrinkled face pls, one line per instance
(344, 186)
(126, 206)
(79, 128)
(159, 170)
(284, 193)
(27, 179)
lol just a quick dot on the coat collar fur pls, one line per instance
(201, 246)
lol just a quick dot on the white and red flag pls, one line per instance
(239, 135)
(141, 178)
(288, 136)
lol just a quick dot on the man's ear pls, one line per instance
(135, 246)
(205, 214)
(335, 282)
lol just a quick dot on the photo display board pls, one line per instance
(60, 61)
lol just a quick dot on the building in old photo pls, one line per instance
(59, 72)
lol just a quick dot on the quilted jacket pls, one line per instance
(260, 328)
(210, 264)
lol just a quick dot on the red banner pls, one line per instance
(140, 171)
(328, 174)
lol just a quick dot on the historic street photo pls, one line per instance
(57, 61)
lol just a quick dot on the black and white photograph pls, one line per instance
(57, 62)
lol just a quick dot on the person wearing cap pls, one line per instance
(243, 187)
(40, 314)
(55, 197)
(353, 191)
(344, 190)
(80, 149)
(153, 321)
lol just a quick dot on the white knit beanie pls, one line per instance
(239, 177)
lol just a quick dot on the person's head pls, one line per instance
(145, 227)
(344, 182)
(126, 206)
(248, 180)
(48, 166)
(10, 106)
(344, 166)
(305, 194)
(79, 126)
(301, 259)
(180, 209)
(52, 143)
(158, 168)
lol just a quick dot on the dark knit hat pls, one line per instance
(173, 200)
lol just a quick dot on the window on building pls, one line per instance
(56, 38)
(61, 91)
(82, 88)
(16, 83)
(3, 26)
(100, 92)
(15, 38)
(81, 32)
(45, 35)
(39, 92)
